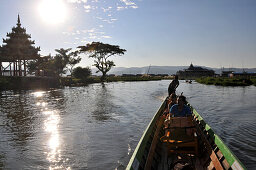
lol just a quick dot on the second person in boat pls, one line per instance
(173, 85)
(180, 109)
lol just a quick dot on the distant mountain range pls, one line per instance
(170, 70)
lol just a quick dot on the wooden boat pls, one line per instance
(189, 81)
(164, 147)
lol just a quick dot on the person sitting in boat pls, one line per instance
(173, 85)
(180, 109)
(170, 101)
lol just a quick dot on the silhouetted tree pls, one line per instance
(66, 60)
(82, 73)
(57, 65)
(101, 52)
(45, 64)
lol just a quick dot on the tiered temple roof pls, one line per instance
(18, 46)
(17, 49)
(193, 72)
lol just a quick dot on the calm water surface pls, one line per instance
(98, 126)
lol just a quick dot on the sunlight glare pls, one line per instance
(38, 94)
(51, 126)
(53, 11)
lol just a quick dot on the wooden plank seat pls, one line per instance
(180, 135)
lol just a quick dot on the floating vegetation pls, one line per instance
(225, 81)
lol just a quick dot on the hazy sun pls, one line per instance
(52, 11)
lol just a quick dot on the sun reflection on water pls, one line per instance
(38, 93)
(51, 123)
(51, 126)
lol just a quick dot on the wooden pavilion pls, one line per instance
(17, 51)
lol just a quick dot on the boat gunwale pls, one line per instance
(227, 153)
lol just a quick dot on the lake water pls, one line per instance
(98, 126)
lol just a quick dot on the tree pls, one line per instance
(45, 64)
(66, 60)
(82, 73)
(57, 65)
(101, 52)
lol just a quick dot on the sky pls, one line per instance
(212, 33)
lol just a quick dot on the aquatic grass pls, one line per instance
(254, 81)
(225, 81)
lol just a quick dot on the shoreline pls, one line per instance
(38, 83)
(225, 81)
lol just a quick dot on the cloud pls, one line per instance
(93, 37)
(100, 32)
(108, 20)
(67, 42)
(87, 7)
(106, 36)
(91, 30)
(66, 33)
(106, 9)
(134, 7)
(84, 42)
(119, 8)
(128, 3)
(99, 18)
(77, 1)
(77, 32)
(92, 34)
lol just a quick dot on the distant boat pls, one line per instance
(189, 81)
(181, 142)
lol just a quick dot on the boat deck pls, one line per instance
(177, 158)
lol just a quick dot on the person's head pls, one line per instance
(181, 100)
(176, 77)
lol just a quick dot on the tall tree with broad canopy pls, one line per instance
(101, 52)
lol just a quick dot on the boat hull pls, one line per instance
(214, 154)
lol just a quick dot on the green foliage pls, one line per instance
(66, 60)
(56, 65)
(47, 64)
(101, 52)
(82, 73)
(224, 81)
(254, 81)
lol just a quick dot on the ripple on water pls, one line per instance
(243, 143)
(99, 126)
